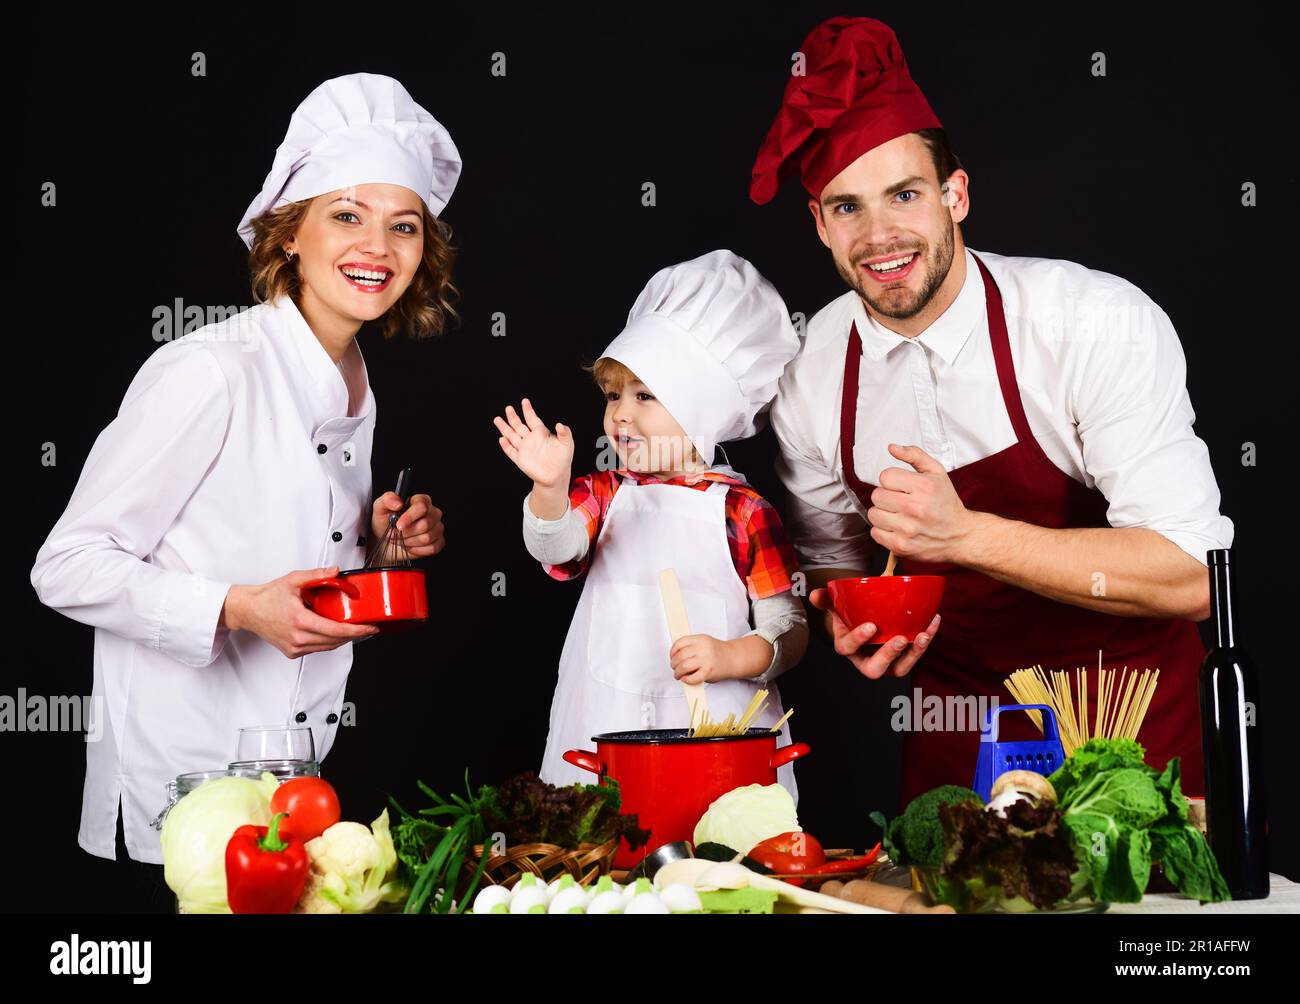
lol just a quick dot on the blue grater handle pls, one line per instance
(989, 733)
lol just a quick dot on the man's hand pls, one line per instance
(918, 514)
(895, 655)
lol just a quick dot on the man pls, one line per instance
(1052, 474)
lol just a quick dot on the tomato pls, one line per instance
(312, 805)
(790, 853)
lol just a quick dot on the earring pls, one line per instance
(288, 254)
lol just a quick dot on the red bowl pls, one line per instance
(392, 598)
(896, 604)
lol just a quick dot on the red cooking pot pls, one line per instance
(392, 598)
(668, 778)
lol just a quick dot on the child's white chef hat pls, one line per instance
(710, 338)
(360, 129)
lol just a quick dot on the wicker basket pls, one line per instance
(547, 861)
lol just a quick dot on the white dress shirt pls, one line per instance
(233, 459)
(1103, 380)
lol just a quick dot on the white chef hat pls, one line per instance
(709, 337)
(360, 129)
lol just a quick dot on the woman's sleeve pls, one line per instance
(139, 475)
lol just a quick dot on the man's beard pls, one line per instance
(893, 302)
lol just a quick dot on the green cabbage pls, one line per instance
(196, 831)
(747, 816)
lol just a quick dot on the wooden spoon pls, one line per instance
(889, 563)
(678, 625)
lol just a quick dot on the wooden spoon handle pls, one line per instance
(678, 625)
(889, 563)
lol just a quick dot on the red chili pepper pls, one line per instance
(265, 869)
(833, 865)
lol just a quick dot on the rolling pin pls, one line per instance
(885, 897)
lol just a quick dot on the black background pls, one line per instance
(1138, 173)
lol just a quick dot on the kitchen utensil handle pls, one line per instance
(583, 759)
(404, 484)
(343, 585)
(992, 723)
(403, 492)
(786, 754)
(678, 626)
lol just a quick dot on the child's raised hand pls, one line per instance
(546, 458)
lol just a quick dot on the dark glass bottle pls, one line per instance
(1231, 747)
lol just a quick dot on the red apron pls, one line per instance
(990, 629)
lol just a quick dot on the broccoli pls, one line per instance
(916, 837)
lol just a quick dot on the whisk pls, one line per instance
(389, 551)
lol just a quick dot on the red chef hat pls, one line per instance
(856, 94)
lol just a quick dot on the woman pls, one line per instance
(238, 466)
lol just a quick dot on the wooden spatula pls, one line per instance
(678, 625)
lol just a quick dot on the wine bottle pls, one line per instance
(1231, 747)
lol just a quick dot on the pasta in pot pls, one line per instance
(702, 726)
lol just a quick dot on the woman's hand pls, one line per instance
(275, 612)
(421, 525)
(852, 643)
(546, 458)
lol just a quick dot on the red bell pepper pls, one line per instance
(266, 869)
(789, 853)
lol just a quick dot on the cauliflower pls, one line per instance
(353, 870)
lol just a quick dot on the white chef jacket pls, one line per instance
(233, 459)
(1101, 374)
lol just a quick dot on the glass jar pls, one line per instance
(183, 784)
(282, 769)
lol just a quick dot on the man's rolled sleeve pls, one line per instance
(1134, 419)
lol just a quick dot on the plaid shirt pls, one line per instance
(763, 557)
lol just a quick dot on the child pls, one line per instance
(697, 364)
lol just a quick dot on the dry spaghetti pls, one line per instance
(1121, 704)
(703, 727)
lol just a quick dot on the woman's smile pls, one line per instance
(367, 278)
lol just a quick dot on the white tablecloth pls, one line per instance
(1283, 897)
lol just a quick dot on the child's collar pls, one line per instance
(720, 472)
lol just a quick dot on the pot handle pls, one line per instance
(583, 759)
(341, 584)
(787, 753)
